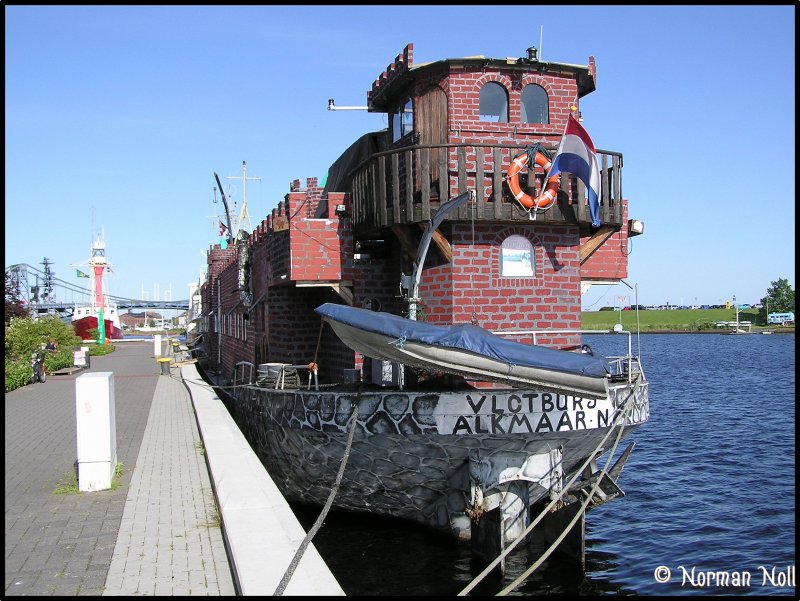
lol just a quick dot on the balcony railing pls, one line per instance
(407, 185)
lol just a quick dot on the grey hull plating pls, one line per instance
(411, 450)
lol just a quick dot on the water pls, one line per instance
(710, 487)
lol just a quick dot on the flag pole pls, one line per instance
(552, 164)
(563, 135)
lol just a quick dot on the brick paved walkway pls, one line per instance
(170, 541)
(63, 544)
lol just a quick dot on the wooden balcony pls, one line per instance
(404, 186)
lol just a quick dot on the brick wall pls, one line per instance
(610, 261)
(472, 289)
(463, 91)
(281, 326)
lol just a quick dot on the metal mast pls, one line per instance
(243, 215)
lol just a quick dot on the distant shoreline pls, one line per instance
(720, 331)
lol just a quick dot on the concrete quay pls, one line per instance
(192, 513)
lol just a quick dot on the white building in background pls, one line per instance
(192, 317)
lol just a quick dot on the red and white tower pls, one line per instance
(100, 308)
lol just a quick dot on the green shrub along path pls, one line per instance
(24, 335)
(674, 320)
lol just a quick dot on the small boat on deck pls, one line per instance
(467, 350)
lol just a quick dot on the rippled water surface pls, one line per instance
(710, 491)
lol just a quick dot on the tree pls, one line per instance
(779, 299)
(15, 306)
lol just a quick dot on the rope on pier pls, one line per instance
(310, 535)
(621, 420)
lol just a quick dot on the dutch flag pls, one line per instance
(576, 155)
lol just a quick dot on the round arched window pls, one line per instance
(534, 105)
(494, 103)
(516, 258)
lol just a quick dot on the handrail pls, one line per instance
(235, 378)
(629, 357)
(400, 149)
(312, 371)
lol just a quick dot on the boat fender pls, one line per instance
(548, 196)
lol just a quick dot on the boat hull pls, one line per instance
(411, 452)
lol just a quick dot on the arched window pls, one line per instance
(534, 105)
(494, 103)
(516, 258)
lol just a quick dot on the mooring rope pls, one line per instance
(622, 416)
(318, 524)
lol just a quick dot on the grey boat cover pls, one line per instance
(467, 337)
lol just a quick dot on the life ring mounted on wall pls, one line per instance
(547, 197)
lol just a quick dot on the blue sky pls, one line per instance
(117, 117)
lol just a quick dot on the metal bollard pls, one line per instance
(164, 366)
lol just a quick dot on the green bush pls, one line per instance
(58, 360)
(24, 335)
(18, 374)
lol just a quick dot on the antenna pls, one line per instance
(541, 35)
(243, 215)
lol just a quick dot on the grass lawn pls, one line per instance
(678, 319)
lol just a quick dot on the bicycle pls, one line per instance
(39, 373)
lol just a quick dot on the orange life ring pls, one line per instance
(547, 197)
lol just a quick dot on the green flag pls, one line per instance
(80, 274)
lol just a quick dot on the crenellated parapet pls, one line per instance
(402, 63)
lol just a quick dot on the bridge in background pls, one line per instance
(43, 292)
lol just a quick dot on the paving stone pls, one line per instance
(107, 542)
